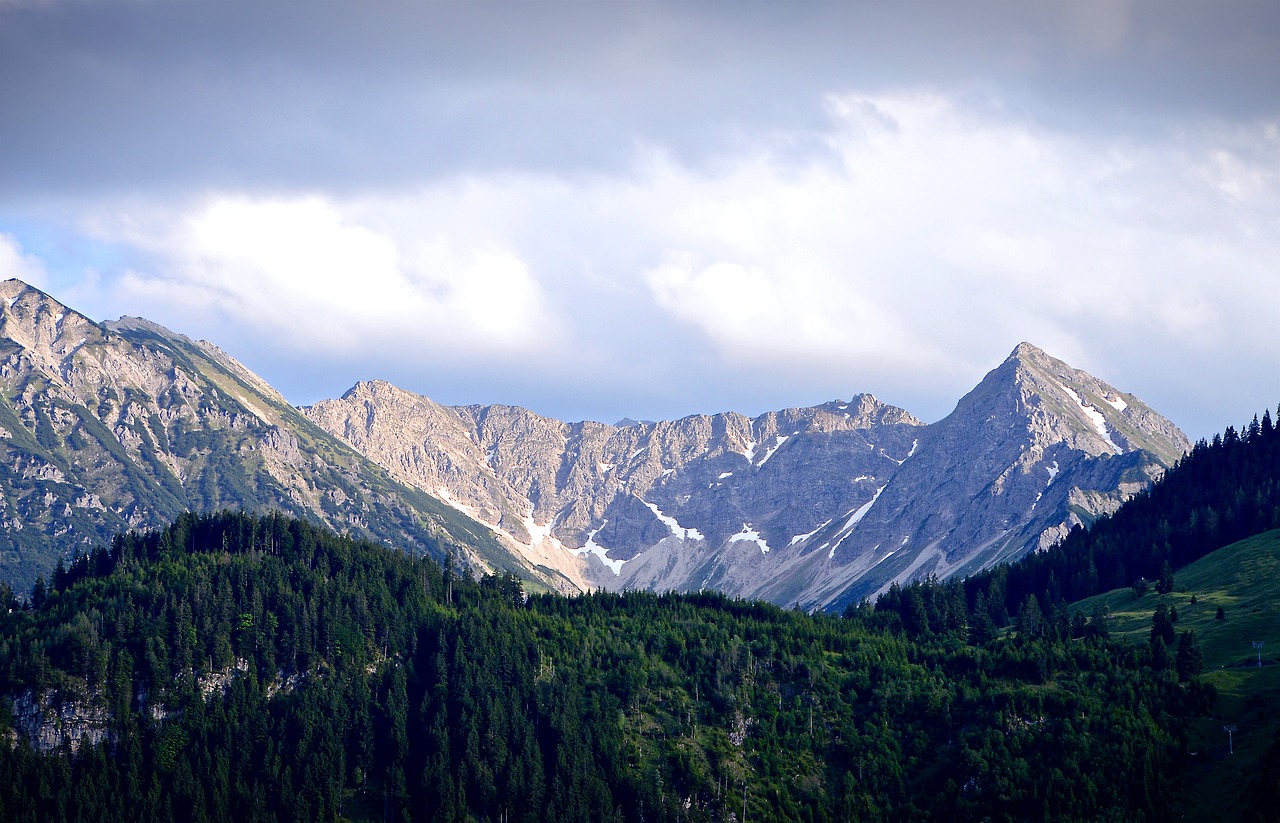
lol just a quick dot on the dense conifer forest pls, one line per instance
(263, 669)
(240, 667)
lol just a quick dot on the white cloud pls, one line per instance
(315, 278)
(796, 311)
(16, 264)
(925, 238)
(956, 229)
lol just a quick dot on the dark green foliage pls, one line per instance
(260, 668)
(1162, 625)
(1190, 660)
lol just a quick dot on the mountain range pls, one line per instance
(124, 424)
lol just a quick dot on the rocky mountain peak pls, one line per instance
(126, 424)
(48, 332)
(1065, 404)
(1030, 353)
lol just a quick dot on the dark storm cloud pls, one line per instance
(155, 95)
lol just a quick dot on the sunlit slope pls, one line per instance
(106, 427)
(1241, 579)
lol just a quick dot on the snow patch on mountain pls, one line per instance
(750, 534)
(1095, 419)
(800, 538)
(676, 529)
(777, 444)
(861, 511)
(592, 547)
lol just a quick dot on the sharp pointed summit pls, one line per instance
(809, 506)
(1034, 449)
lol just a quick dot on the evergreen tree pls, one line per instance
(1190, 661)
(265, 669)
(1162, 625)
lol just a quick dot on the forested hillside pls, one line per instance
(241, 668)
(1172, 550)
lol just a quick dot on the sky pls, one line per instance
(601, 210)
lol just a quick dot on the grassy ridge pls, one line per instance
(1241, 578)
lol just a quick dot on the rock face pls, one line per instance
(49, 723)
(1035, 449)
(652, 505)
(812, 507)
(112, 426)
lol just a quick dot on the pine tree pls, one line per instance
(1162, 625)
(1030, 618)
(1190, 661)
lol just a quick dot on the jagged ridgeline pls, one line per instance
(234, 667)
(112, 426)
(118, 425)
(816, 507)
(1220, 492)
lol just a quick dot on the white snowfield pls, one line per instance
(777, 444)
(1095, 419)
(750, 534)
(599, 551)
(676, 529)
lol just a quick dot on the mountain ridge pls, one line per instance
(700, 502)
(123, 424)
(120, 425)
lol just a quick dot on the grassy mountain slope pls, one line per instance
(1241, 579)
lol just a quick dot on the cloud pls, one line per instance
(930, 205)
(312, 278)
(1101, 25)
(796, 312)
(903, 246)
(265, 97)
(16, 264)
